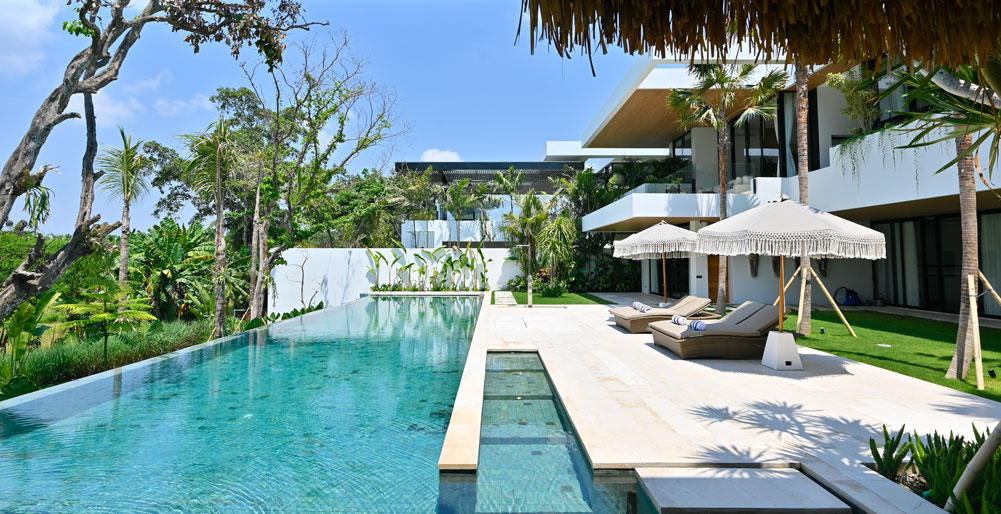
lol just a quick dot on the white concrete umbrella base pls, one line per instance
(781, 352)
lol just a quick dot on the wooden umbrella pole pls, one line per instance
(663, 273)
(971, 285)
(788, 284)
(782, 292)
(833, 303)
(987, 286)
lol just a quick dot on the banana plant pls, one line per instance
(483, 269)
(20, 328)
(392, 274)
(422, 270)
(405, 270)
(376, 267)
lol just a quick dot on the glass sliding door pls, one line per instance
(990, 257)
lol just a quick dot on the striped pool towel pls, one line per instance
(679, 320)
(697, 324)
(642, 307)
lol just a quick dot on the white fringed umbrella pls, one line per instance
(660, 241)
(789, 229)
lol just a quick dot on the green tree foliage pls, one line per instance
(172, 267)
(107, 310)
(860, 95)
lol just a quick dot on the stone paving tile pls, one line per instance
(637, 405)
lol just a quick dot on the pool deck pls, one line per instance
(637, 406)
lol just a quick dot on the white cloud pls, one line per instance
(167, 107)
(436, 155)
(151, 84)
(110, 112)
(23, 35)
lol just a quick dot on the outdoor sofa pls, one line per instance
(636, 322)
(741, 334)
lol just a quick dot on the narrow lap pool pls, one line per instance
(342, 410)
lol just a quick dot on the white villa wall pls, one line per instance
(854, 274)
(338, 275)
(830, 121)
(705, 158)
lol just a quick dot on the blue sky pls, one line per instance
(461, 83)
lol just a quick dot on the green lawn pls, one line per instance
(567, 299)
(920, 348)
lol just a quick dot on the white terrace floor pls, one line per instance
(638, 406)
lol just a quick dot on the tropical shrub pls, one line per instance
(66, 360)
(891, 459)
(553, 288)
(939, 461)
(20, 331)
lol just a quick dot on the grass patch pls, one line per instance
(921, 348)
(566, 299)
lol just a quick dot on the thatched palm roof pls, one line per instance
(945, 32)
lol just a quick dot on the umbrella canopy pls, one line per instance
(787, 228)
(656, 241)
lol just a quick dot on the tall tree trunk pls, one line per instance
(220, 255)
(723, 149)
(960, 364)
(254, 236)
(803, 169)
(262, 268)
(123, 265)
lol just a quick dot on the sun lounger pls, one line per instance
(741, 334)
(636, 322)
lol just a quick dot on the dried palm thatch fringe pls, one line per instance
(946, 32)
(818, 244)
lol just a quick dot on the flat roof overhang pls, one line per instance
(638, 211)
(637, 115)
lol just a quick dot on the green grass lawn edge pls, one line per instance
(566, 299)
(919, 347)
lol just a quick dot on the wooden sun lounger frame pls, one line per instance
(714, 346)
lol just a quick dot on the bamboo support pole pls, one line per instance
(788, 284)
(834, 304)
(802, 294)
(971, 285)
(987, 286)
(663, 272)
(782, 292)
(976, 465)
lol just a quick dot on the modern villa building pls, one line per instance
(866, 179)
(477, 224)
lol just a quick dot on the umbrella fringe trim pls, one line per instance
(644, 250)
(819, 245)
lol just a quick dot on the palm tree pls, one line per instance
(523, 228)
(124, 178)
(508, 184)
(213, 153)
(952, 117)
(456, 200)
(805, 315)
(725, 93)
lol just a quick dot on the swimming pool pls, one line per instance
(340, 410)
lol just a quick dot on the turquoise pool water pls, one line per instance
(341, 410)
(530, 459)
